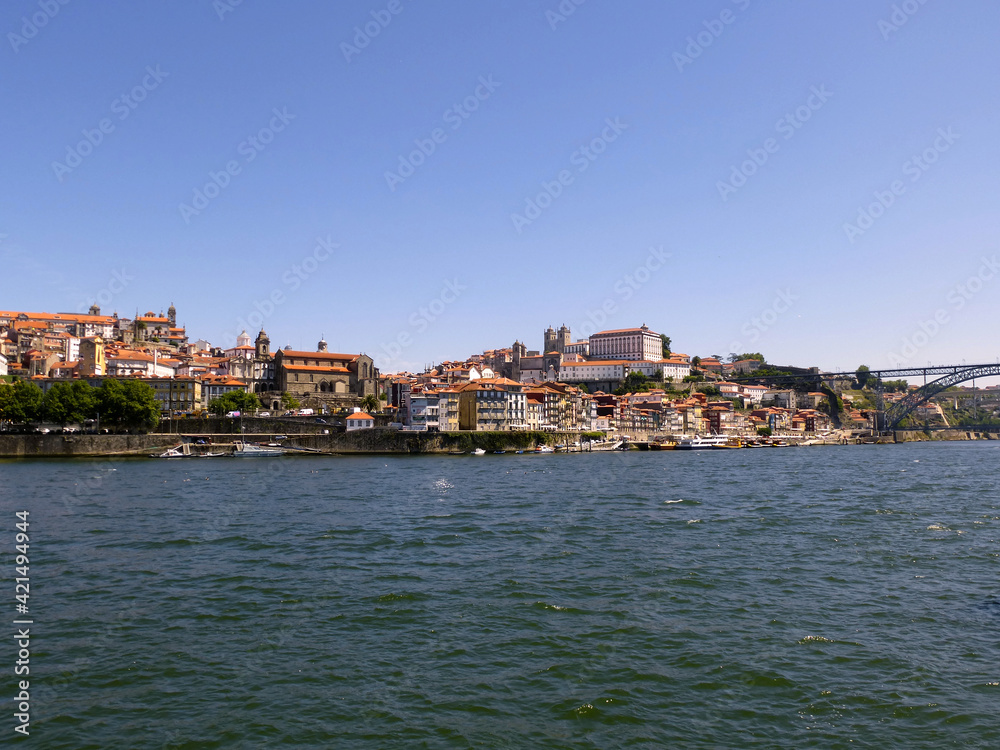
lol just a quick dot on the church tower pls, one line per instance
(550, 340)
(563, 340)
(172, 315)
(262, 345)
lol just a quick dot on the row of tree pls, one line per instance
(127, 404)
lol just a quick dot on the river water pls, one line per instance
(801, 597)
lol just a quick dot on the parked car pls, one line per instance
(264, 414)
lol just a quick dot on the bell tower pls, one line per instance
(262, 345)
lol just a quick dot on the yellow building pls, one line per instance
(92, 356)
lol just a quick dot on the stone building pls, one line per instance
(325, 378)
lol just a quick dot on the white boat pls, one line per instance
(248, 450)
(478, 452)
(700, 443)
(544, 449)
(178, 451)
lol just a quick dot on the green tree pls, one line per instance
(895, 386)
(129, 404)
(240, 401)
(21, 402)
(634, 382)
(288, 401)
(696, 360)
(764, 431)
(733, 357)
(371, 404)
(69, 402)
(666, 345)
(863, 375)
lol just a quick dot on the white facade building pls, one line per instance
(360, 421)
(671, 368)
(3, 365)
(627, 343)
(423, 410)
(578, 372)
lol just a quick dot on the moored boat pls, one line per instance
(701, 443)
(178, 451)
(249, 450)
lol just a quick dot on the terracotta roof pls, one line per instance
(316, 355)
(598, 362)
(625, 330)
(314, 368)
(360, 415)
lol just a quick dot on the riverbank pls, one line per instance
(373, 441)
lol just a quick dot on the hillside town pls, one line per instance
(624, 382)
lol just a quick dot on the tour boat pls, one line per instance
(666, 445)
(248, 450)
(731, 442)
(701, 443)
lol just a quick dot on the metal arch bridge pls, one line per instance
(944, 377)
(949, 375)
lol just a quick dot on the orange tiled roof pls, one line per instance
(314, 368)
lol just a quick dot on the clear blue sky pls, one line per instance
(767, 266)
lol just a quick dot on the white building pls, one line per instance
(627, 343)
(359, 421)
(753, 393)
(670, 368)
(3, 365)
(579, 372)
(423, 411)
(127, 362)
